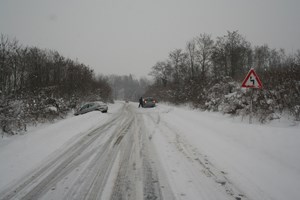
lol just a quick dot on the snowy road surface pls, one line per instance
(159, 153)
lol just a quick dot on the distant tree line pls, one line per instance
(127, 87)
(30, 70)
(36, 78)
(208, 73)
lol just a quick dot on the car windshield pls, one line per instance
(84, 106)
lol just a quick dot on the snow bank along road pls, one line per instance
(160, 153)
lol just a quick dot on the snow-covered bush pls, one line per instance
(12, 116)
(296, 112)
(225, 97)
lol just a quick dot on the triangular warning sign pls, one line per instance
(252, 80)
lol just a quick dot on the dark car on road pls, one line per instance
(92, 106)
(149, 102)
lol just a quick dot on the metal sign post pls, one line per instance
(251, 81)
(251, 107)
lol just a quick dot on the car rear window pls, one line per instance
(149, 99)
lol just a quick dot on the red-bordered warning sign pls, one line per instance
(252, 80)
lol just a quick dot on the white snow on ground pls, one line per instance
(199, 155)
(263, 161)
(20, 154)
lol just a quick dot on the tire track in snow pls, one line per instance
(81, 169)
(204, 165)
(44, 178)
(137, 178)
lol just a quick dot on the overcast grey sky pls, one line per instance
(130, 36)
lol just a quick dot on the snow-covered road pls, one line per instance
(156, 153)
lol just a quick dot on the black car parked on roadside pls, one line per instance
(149, 102)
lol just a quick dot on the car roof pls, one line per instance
(93, 103)
(100, 102)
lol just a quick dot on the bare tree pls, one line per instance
(162, 72)
(232, 54)
(191, 53)
(204, 52)
(261, 57)
(5, 72)
(178, 61)
(219, 58)
(297, 57)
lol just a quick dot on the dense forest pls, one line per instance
(38, 85)
(208, 74)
